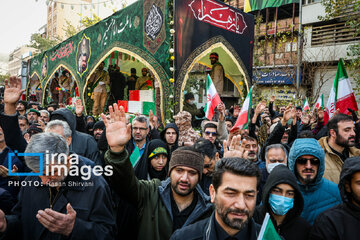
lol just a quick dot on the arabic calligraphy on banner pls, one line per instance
(275, 77)
(65, 51)
(219, 15)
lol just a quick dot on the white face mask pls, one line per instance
(271, 166)
(191, 102)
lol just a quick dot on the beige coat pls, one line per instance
(333, 163)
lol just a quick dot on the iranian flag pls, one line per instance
(213, 98)
(341, 94)
(244, 115)
(320, 102)
(267, 231)
(306, 106)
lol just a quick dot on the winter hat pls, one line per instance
(188, 96)
(99, 125)
(156, 147)
(187, 158)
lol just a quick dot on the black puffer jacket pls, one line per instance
(293, 227)
(343, 220)
(82, 144)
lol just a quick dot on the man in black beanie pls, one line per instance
(162, 206)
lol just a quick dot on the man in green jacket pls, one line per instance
(163, 206)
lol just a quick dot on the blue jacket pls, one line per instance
(320, 195)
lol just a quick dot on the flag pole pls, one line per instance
(298, 49)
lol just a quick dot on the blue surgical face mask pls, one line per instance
(280, 205)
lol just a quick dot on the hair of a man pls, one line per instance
(45, 111)
(21, 117)
(276, 146)
(237, 166)
(55, 123)
(47, 144)
(142, 119)
(205, 147)
(333, 122)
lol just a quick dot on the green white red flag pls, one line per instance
(244, 115)
(341, 94)
(267, 231)
(306, 106)
(213, 98)
(319, 103)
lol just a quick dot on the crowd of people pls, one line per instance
(172, 182)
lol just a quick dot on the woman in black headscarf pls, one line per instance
(156, 164)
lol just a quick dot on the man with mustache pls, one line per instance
(98, 129)
(338, 145)
(233, 192)
(162, 206)
(306, 161)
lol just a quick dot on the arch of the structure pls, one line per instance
(199, 53)
(28, 83)
(47, 80)
(159, 73)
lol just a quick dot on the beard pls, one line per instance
(238, 224)
(341, 141)
(308, 179)
(176, 189)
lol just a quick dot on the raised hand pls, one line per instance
(287, 114)
(235, 148)
(153, 120)
(79, 108)
(12, 94)
(260, 107)
(118, 133)
(272, 99)
(221, 109)
(58, 222)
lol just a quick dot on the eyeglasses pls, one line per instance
(139, 128)
(211, 133)
(303, 161)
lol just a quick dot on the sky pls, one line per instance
(21, 18)
(18, 20)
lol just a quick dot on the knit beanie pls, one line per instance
(187, 158)
(99, 125)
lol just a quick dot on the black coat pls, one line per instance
(293, 227)
(205, 229)
(93, 206)
(343, 220)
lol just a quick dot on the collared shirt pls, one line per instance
(344, 155)
(141, 150)
(179, 218)
(222, 234)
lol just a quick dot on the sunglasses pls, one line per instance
(211, 133)
(303, 161)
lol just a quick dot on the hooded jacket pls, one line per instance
(333, 162)
(162, 136)
(322, 193)
(343, 220)
(82, 144)
(293, 227)
(152, 199)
